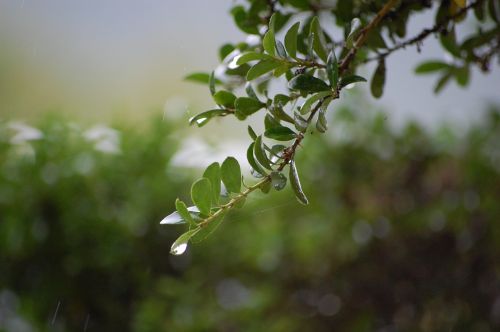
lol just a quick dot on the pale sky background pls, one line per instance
(108, 59)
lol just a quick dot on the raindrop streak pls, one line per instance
(55, 313)
(86, 323)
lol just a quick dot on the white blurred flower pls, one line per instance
(24, 133)
(105, 139)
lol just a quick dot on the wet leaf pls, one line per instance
(319, 39)
(251, 56)
(183, 212)
(350, 80)
(431, 66)
(262, 68)
(280, 48)
(280, 133)
(307, 83)
(201, 195)
(291, 40)
(224, 98)
(251, 160)
(231, 174)
(211, 83)
(306, 107)
(268, 42)
(321, 123)
(246, 106)
(300, 123)
(260, 153)
(212, 173)
(332, 69)
(252, 133)
(203, 78)
(202, 119)
(378, 80)
(295, 183)
(180, 245)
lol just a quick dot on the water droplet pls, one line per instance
(179, 249)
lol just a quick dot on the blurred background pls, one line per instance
(402, 232)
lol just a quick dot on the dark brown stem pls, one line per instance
(424, 34)
(344, 65)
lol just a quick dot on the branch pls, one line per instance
(344, 65)
(424, 34)
(289, 153)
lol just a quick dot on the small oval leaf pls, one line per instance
(201, 194)
(307, 83)
(260, 153)
(180, 245)
(291, 40)
(212, 173)
(231, 174)
(280, 133)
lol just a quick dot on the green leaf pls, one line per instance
(251, 56)
(281, 100)
(291, 40)
(252, 133)
(183, 212)
(355, 29)
(280, 133)
(319, 39)
(175, 218)
(224, 51)
(262, 68)
(231, 175)
(307, 83)
(202, 119)
(180, 245)
(448, 40)
(208, 229)
(251, 160)
(201, 194)
(306, 107)
(270, 121)
(280, 49)
(321, 123)
(243, 22)
(378, 80)
(351, 79)
(224, 98)
(462, 75)
(260, 153)
(250, 91)
(211, 83)
(431, 66)
(200, 78)
(332, 69)
(268, 42)
(212, 173)
(278, 180)
(441, 83)
(246, 106)
(300, 123)
(296, 186)
(280, 114)
(282, 69)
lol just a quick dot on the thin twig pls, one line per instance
(424, 34)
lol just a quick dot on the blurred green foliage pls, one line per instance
(401, 234)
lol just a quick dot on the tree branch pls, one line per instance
(424, 34)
